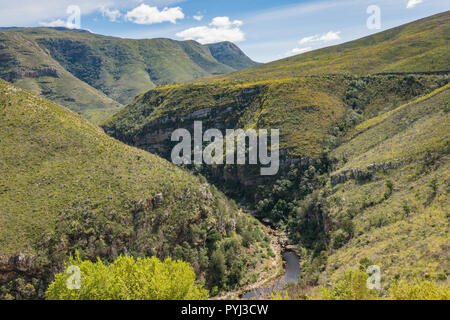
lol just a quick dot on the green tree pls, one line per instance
(217, 269)
(129, 279)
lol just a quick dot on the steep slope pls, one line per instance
(392, 183)
(419, 46)
(124, 68)
(25, 63)
(65, 185)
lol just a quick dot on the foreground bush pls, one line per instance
(352, 286)
(127, 279)
(418, 289)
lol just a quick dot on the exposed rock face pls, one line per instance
(350, 174)
(18, 263)
(30, 73)
(361, 175)
(23, 276)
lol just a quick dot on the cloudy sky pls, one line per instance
(265, 30)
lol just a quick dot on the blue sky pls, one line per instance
(265, 30)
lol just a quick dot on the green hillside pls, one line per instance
(364, 176)
(66, 186)
(419, 46)
(94, 75)
(392, 182)
(310, 111)
(124, 68)
(25, 63)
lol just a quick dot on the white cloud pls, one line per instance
(300, 50)
(327, 37)
(309, 39)
(112, 14)
(198, 18)
(54, 23)
(31, 12)
(220, 29)
(413, 3)
(225, 22)
(330, 36)
(145, 14)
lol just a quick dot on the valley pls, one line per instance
(86, 176)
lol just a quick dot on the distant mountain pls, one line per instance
(25, 63)
(66, 186)
(229, 54)
(119, 68)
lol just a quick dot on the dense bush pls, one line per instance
(128, 279)
(352, 286)
(418, 289)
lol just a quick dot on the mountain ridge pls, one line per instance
(418, 46)
(118, 68)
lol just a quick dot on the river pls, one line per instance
(292, 272)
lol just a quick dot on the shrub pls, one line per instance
(129, 279)
(352, 286)
(418, 289)
(389, 189)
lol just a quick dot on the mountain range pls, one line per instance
(95, 75)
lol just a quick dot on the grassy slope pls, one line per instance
(404, 232)
(305, 109)
(65, 185)
(25, 63)
(51, 157)
(420, 46)
(124, 68)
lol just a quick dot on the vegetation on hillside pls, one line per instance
(385, 202)
(353, 286)
(25, 63)
(364, 176)
(307, 110)
(66, 186)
